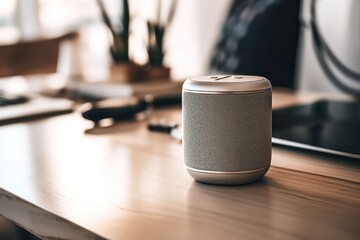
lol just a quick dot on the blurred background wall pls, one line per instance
(190, 40)
(339, 22)
(194, 35)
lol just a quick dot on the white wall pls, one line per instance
(194, 33)
(339, 23)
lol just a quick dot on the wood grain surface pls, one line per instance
(124, 182)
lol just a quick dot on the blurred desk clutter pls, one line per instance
(63, 100)
(33, 57)
(131, 110)
(29, 58)
(36, 62)
(34, 108)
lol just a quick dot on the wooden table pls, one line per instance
(125, 182)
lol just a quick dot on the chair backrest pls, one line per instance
(259, 38)
(31, 57)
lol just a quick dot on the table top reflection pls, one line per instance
(59, 180)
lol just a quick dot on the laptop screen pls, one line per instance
(325, 126)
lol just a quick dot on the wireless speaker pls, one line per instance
(227, 128)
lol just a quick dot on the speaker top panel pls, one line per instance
(226, 84)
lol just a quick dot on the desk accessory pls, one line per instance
(31, 108)
(130, 111)
(162, 126)
(227, 128)
(9, 99)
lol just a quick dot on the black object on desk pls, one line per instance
(163, 127)
(129, 112)
(7, 99)
(325, 126)
(116, 113)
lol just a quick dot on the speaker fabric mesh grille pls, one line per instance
(227, 132)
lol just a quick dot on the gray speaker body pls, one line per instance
(227, 128)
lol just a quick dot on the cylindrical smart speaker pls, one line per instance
(227, 128)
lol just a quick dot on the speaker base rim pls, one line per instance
(227, 178)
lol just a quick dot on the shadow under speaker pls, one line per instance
(227, 128)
